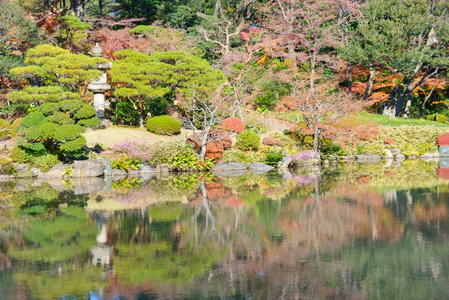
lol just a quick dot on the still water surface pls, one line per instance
(355, 232)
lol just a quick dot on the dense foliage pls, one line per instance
(164, 125)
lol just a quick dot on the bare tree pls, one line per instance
(206, 112)
(224, 28)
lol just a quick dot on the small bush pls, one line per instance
(15, 127)
(5, 129)
(273, 157)
(248, 141)
(6, 166)
(237, 155)
(443, 139)
(126, 164)
(441, 118)
(233, 124)
(389, 141)
(166, 125)
(437, 117)
(45, 162)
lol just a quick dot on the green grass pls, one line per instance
(378, 119)
(385, 121)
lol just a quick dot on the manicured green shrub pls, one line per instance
(60, 118)
(441, 118)
(438, 118)
(53, 128)
(248, 141)
(47, 130)
(66, 133)
(32, 133)
(85, 112)
(5, 129)
(72, 106)
(166, 125)
(92, 122)
(48, 108)
(33, 119)
(74, 147)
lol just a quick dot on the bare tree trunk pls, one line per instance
(408, 104)
(316, 140)
(423, 107)
(369, 86)
(142, 120)
(204, 141)
(100, 6)
(350, 79)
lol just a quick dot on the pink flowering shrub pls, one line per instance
(131, 149)
(304, 155)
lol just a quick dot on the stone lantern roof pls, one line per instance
(97, 51)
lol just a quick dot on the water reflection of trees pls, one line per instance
(252, 236)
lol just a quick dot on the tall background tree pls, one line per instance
(403, 37)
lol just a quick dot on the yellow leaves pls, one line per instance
(262, 60)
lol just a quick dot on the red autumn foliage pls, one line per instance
(389, 141)
(233, 124)
(443, 139)
(389, 173)
(443, 173)
(270, 141)
(364, 180)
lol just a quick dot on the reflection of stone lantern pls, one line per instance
(101, 253)
(100, 86)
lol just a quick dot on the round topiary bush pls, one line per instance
(441, 118)
(443, 139)
(166, 125)
(248, 141)
(233, 124)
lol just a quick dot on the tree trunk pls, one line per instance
(423, 107)
(142, 120)
(312, 73)
(408, 104)
(100, 6)
(350, 79)
(204, 141)
(369, 86)
(316, 140)
(390, 108)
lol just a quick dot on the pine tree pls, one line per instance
(405, 37)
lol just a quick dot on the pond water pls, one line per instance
(351, 232)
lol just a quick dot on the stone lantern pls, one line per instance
(100, 86)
